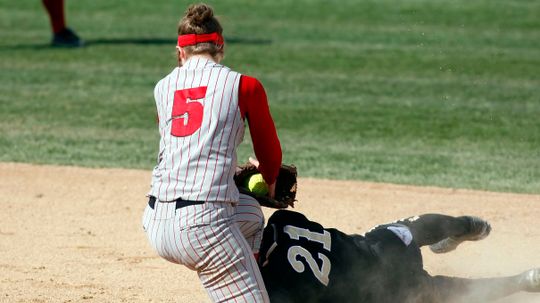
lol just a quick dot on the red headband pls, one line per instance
(192, 39)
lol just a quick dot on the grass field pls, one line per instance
(442, 93)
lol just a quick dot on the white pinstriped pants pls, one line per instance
(216, 239)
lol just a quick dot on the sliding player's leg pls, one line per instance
(444, 233)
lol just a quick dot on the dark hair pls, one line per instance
(199, 19)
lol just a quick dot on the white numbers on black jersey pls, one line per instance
(296, 233)
(322, 272)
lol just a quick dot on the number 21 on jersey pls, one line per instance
(320, 272)
(187, 116)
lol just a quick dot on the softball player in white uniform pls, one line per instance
(195, 215)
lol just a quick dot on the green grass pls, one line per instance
(442, 93)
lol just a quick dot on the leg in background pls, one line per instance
(55, 9)
(62, 35)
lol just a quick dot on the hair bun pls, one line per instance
(199, 13)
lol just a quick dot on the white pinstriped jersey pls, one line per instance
(200, 126)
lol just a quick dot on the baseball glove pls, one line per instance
(286, 184)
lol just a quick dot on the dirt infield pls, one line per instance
(71, 234)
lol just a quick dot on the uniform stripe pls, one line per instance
(231, 248)
(188, 155)
(161, 229)
(176, 241)
(199, 135)
(250, 219)
(212, 263)
(200, 84)
(223, 265)
(232, 169)
(177, 169)
(181, 237)
(211, 142)
(247, 267)
(223, 166)
(189, 138)
(217, 156)
(209, 124)
(168, 118)
(164, 119)
(246, 253)
(221, 139)
(166, 227)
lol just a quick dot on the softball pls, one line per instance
(257, 185)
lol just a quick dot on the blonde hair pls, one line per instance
(199, 19)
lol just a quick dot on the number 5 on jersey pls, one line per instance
(187, 116)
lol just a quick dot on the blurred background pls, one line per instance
(443, 93)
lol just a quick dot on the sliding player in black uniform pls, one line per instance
(303, 262)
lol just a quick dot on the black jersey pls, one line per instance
(301, 261)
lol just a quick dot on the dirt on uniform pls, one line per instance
(70, 234)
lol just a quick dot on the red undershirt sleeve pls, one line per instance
(254, 107)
